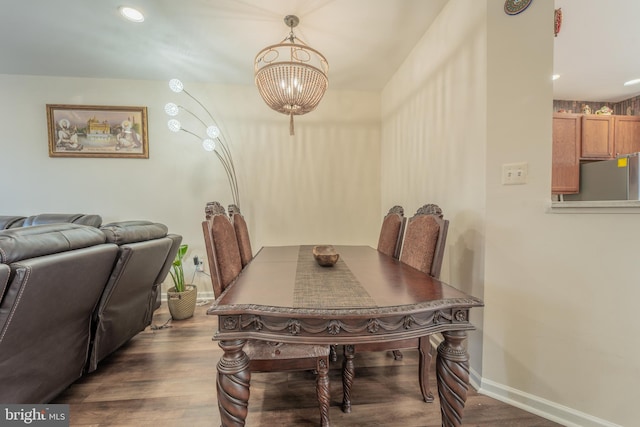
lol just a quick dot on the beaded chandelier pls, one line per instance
(291, 76)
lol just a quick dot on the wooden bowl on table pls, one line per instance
(325, 255)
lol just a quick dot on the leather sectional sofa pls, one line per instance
(71, 294)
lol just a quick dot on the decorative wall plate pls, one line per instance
(557, 21)
(513, 7)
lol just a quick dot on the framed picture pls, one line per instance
(97, 131)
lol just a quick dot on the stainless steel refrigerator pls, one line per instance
(616, 179)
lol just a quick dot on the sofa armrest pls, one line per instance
(5, 272)
(46, 320)
(124, 232)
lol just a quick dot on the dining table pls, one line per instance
(284, 295)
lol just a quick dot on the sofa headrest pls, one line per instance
(28, 242)
(123, 232)
(9, 221)
(91, 220)
(53, 218)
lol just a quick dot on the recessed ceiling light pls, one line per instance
(555, 77)
(632, 82)
(131, 14)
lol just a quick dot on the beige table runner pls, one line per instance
(327, 287)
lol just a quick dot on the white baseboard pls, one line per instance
(536, 405)
(544, 408)
(205, 297)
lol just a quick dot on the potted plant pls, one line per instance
(181, 298)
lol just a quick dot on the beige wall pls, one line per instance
(558, 333)
(434, 143)
(559, 325)
(320, 186)
(560, 289)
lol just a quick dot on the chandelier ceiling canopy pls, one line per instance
(291, 76)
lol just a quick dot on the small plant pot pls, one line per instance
(182, 304)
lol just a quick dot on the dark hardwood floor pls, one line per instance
(167, 377)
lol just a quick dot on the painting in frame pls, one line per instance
(97, 131)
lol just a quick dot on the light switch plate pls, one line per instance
(514, 173)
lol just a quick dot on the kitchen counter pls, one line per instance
(595, 206)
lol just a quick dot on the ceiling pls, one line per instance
(213, 41)
(365, 41)
(597, 50)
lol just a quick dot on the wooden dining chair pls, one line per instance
(242, 234)
(389, 243)
(225, 264)
(423, 249)
(424, 244)
(391, 231)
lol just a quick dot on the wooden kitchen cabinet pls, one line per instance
(597, 137)
(627, 135)
(565, 170)
(588, 137)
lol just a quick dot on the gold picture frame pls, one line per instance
(97, 131)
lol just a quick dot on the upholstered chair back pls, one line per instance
(223, 252)
(242, 234)
(425, 239)
(390, 239)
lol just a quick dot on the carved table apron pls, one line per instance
(366, 297)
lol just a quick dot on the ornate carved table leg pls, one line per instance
(452, 371)
(233, 384)
(348, 373)
(333, 353)
(423, 368)
(322, 390)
